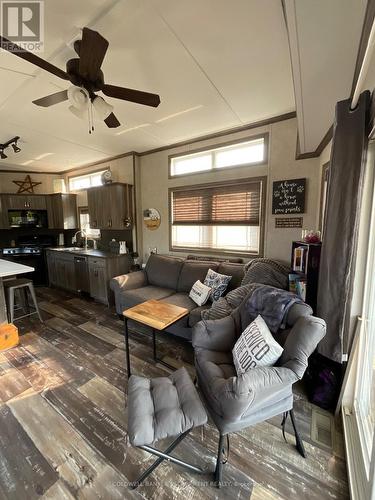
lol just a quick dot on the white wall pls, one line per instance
(281, 165)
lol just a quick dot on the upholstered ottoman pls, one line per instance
(159, 408)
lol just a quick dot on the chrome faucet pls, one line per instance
(83, 233)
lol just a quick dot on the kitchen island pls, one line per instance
(8, 268)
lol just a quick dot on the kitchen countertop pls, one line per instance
(89, 252)
(8, 268)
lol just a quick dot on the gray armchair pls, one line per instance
(236, 402)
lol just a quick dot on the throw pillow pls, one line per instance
(255, 347)
(217, 282)
(200, 293)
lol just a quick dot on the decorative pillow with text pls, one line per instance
(255, 347)
(200, 293)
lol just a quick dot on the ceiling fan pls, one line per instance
(84, 72)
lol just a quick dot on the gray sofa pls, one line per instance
(170, 279)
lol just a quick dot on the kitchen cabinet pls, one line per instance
(62, 211)
(86, 271)
(110, 206)
(61, 208)
(22, 202)
(98, 279)
(61, 270)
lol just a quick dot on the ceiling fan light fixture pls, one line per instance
(79, 113)
(78, 97)
(102, 108)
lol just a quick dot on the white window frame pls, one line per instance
(213, 150)
(203, 227)
(359, 443)
(89, 176)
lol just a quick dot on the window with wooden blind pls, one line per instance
(220, 217)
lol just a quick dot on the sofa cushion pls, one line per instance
(196, 314)
(181, 300)
(163, 270)
(267, 272)
(191, 272)
(234, 270)
(131, 298)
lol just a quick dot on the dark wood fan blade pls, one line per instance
(32, 58)
(92, 50)
(111, 121)
(52, 99)
(132, 95)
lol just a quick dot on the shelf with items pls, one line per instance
(304, 277)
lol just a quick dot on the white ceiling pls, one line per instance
(324, 39)
(216, 64)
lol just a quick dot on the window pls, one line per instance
(249, 152)
(84, 223)
(220, 217)
(85, 181)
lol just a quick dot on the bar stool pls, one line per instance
(21, 284)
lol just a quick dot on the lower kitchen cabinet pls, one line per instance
(81, 272)
(61, 270)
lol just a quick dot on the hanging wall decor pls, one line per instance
(151, 218)
(26, 186)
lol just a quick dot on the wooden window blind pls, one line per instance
(232, 204)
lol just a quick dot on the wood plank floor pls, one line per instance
(63, 421)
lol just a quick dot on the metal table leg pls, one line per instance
(127, 346)
(156, 359)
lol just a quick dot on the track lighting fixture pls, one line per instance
(12, 142)
(16, 149)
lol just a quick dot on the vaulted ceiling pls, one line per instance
(216, 65)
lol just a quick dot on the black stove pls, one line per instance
(29, 250)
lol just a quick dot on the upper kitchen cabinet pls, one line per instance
(22, 201)
(111, 206)
(62, 211)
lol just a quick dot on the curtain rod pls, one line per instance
(364, 67)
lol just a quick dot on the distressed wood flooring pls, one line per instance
(63, 421)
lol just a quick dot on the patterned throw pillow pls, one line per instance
(200, 293)
(218, 283)
(255, 347)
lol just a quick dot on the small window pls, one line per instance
(249, 152)
(219, 217)
(85, 181)
(84, 223)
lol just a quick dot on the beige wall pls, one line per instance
(282, 165)
(122, 171)
(7, 186)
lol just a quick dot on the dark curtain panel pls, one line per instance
(337, 264)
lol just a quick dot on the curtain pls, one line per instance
(337, 263)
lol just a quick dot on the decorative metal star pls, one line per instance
(26, 186)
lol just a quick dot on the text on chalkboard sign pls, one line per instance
(288, 196)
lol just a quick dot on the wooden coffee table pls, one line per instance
(158, 315)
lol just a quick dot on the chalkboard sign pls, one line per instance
(288, 196)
